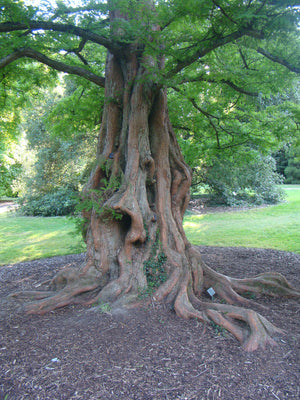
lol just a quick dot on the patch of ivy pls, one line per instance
(218, 329)
(154, 267)
(103, 307)
(249, 295)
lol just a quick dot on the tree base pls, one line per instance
(184, 291)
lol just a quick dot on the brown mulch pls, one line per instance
(84, 353)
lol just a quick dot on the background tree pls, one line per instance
(61, 140)
(138, 190)
(292, 171)
(10, 168)
(288, 162)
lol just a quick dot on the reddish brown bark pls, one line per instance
(139, 191)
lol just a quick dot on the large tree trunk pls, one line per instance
(134, 204)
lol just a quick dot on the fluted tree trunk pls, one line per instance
(133, 208)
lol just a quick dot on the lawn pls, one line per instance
(274, 227)
(29, 238)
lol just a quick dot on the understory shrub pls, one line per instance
(58, 203)
(234, 183)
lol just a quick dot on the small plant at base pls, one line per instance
(103, 307)
(145, 292)
(219, 330)
(249, 295)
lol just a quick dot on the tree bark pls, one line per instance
(134, 205)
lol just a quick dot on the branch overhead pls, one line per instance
(279, 60)
(58, 27)
(213, 44)
(222, 81)
(59, 66)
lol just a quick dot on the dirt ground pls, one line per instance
(90, 353)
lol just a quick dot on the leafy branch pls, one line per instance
(279, 60)
(63, 28)
(59, 66)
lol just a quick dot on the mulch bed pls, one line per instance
(84, 353)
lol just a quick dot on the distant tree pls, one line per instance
(9, 170)
(138, 191)
(61, 143)
(292, 170)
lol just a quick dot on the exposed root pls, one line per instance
(248, 326)
(68, 286)
(256, 332)
(182, 289)
(270, 283)
(51, 300)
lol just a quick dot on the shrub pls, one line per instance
(61, 202)
(232, 182)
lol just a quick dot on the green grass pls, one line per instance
(30, 238)
(274, 227)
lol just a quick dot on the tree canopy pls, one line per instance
(224, 61)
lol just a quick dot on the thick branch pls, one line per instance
(59, 66)
(213, 44)
(67, 28)
(225, 81)
(278, 60)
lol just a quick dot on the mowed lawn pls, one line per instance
(30, 238)
(274, 227)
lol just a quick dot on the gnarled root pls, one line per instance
(249, 327)
(68, 286)
(187, 281)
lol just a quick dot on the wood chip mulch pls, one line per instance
(85, 353)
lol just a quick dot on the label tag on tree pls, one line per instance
(211, 292)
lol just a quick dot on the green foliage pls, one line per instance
(103, 307)
(58, 163)
(292, 171)
(288, 163)
(232, 181)
(95, 198)
(9, 170)
(218, 329)
(61, 202)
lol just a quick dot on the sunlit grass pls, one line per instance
(275, 227)
(29, 238)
